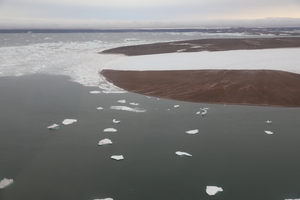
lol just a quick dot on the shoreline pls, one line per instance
(259, 87)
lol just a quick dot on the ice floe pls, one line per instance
(125, 108)
(53, 127)
(95, 92)
(269, 132)
(122, 101)
(100, 108)
(176, 106)
(192, 131)
(212, 190)
(5, 182)
(104, 199)
(110, 130)
(292, 199)
(181, 153)
(105, 142)
(117, 157)
(269, 122)
(116, 121)
(134, 104)
(69, 121)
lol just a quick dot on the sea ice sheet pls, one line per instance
(69, 121)
(110, 130)
(285, 59)
(117, 157)
(181, 153)
(105, 142)
(5, 182)
(212, 190)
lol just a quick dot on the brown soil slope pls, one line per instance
(252, 87)
(207, 45)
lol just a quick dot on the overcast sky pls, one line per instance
(147, 13)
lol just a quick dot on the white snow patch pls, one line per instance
(110, 130)
(100, 108)
(122, 101)
(192, 131)
(181, 153)
(69, 121)
(176, 106)
(125, 108)
(212, 190)
(285, 59)
(134, 104)
(5, 182)
(53, 126)
(104, 142)
(95, 92)
(117, 157)
(269, 132)
(116, 121)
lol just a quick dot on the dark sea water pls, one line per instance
(231, 150)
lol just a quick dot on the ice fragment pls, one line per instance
(69, 121)
(212, 190)
(104, 142)
(176, 106)
(117, 157)
(99, 108)
(5, 182)
(269, 132)
(134, 104)
(269, 122)
(95, 92)
(181, 153)
(192, 131)
(116, 121)
(104, 199)
(125, 108)
(110, 130)
(53, 127)
(122, 101)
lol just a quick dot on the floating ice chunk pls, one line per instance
(116, 121)
(110, 130)
(105, 142)
(95, 92)
(117, 157)
(181, 153)
(176, 106)
(47, 38)
(99, 108)
(198, 113)
(53, 127)
(269, 132)
(212, 190)
(292, 199)
(269, 122)
(104, 199)
(122, 101)
(5, 182)
(192, 131)
(125, 108)
(134, 104)
(69, 121)
(157, 98)
(148, 97)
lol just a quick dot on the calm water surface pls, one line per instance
(231, 149)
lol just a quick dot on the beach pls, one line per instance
(269, 77)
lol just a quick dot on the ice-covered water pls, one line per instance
(76, 54)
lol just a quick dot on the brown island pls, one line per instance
(247, 87)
